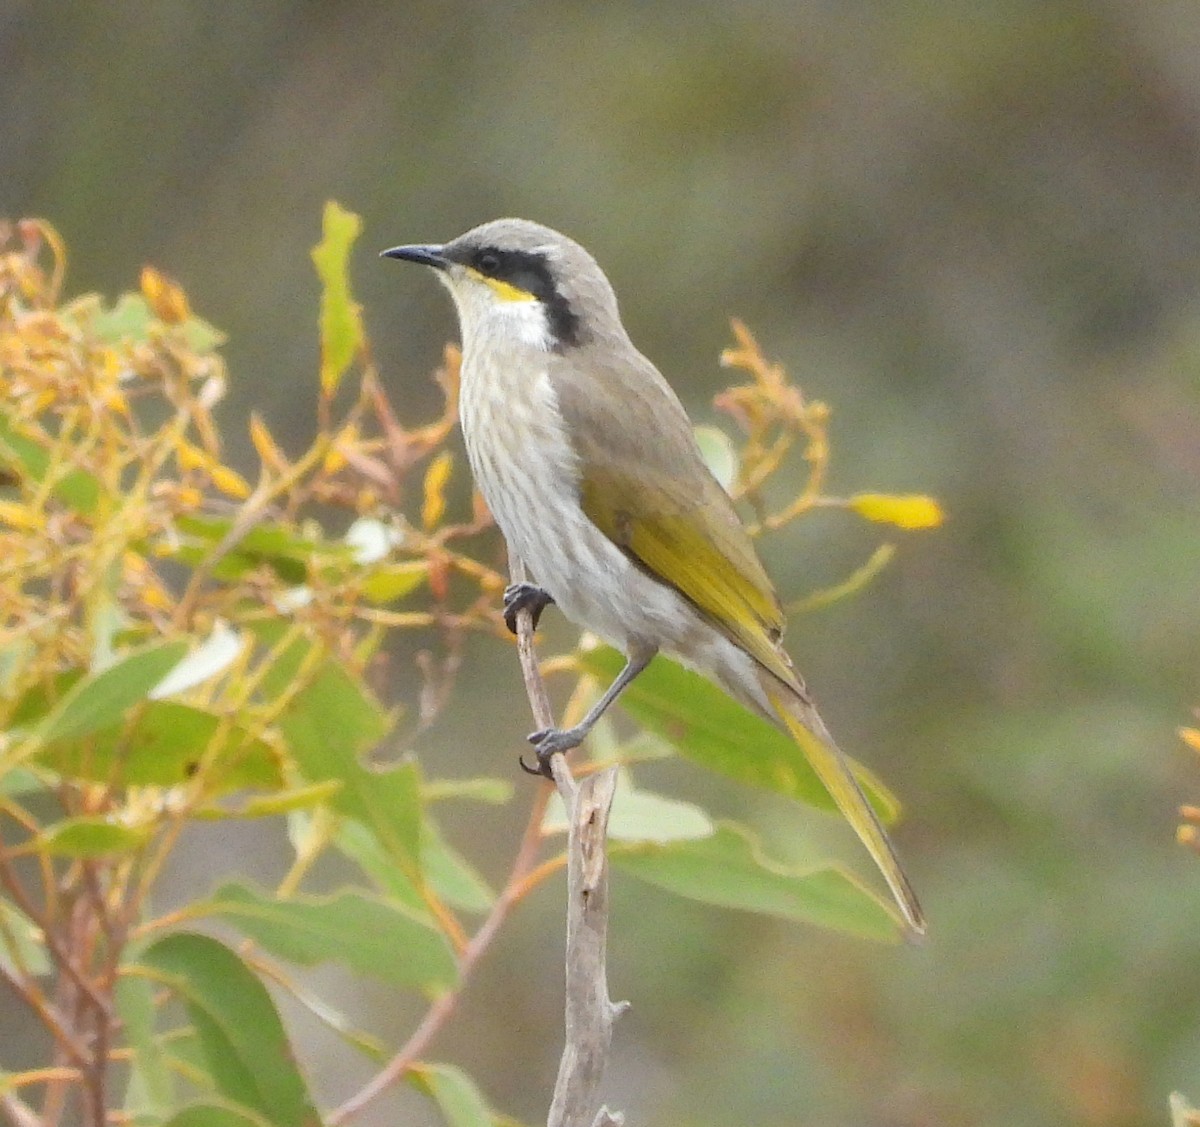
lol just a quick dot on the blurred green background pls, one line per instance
(974, 229)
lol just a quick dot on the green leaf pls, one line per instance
(452, 876)
(366, 934)
(20, 781)
(129, 319)
(454, 1092)
(711, 728)
(448, 873)
(277, 546)
(719, 454)
(163, 749)
(150, 1091)
(77, 489)
(341, 316)
(41, 696)
(358, 842)
(492, 791)
(729, 870)
(215, 1115)
(202, 335)
(281, 802)
(639, 815)
(26, 937)
(99, 700)
(394, 581)
(14, 658)
(241, 1037)
(328, 725)
(91, 836)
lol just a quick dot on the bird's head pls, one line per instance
(519, 282)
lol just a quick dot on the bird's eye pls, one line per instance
(487, 262)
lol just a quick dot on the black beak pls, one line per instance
(425, 255)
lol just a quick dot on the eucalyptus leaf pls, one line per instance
(329, 725)
(26, 937)
(99, 700)
(366, 934)
(210, 1114)
(150, 1091)
(242, 1040)
(163, 747)
(341, 316)
(91, 836)
(729, 869)
(455, 1093)
(710, 728)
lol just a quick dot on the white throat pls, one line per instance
(489, 322)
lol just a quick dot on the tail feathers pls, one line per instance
(833, 769)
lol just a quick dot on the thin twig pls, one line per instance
(535, 686)
(437, 1014)
(18, 1112)
(28, 992)
(60, 955)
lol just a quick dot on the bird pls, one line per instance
(589, 465)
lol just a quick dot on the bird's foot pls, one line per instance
(524, 596)
(548, 743)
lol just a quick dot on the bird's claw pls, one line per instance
(524, 596)
(547, 743)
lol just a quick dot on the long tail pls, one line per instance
(831, 766)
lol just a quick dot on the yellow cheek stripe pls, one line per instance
(503, 290)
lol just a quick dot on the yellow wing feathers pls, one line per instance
(834, 771)
(695, 549)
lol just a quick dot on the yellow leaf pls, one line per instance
(164, 297)
(229, 482)
(906, 510)
(435, 489)
(265, 444)
(156, 598)
(1191, 737)
(20, 516)
(187, 497)
(341, 316)
(191, 457)
(336, 458)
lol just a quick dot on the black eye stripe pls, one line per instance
(525, 269)
(528, 271)
(488, 262)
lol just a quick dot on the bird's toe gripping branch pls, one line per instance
(549, 742)
(524, 596)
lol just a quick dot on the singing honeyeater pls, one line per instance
(588, 462)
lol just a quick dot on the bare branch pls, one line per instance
(589, 1011)
(535, 686)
